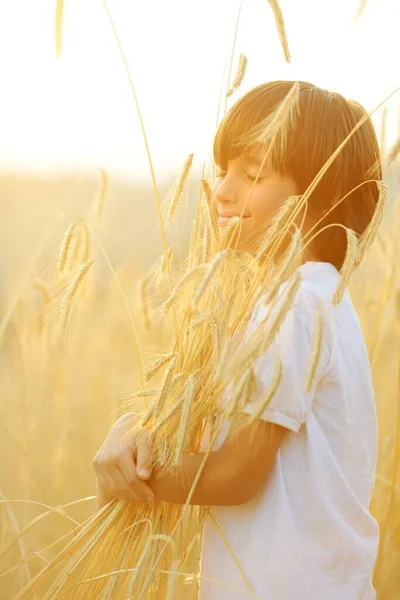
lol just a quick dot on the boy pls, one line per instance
(289, 494)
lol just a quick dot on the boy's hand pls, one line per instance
(122, 464)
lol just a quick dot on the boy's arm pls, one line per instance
(232, 475)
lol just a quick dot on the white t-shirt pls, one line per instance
(308, 535)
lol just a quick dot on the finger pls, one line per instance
(103, 496)
(120, 488)
(143, 457)
(138, 487)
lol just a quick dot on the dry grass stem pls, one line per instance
(394, 151)
(382, 141)
(369, 235)
(270, 393)
(290, 294)
(360, 9)
(184, 424)
(44, 290)
(240, 73)
(101, 196)
(59, 15)
(348, 266)
(316, 351)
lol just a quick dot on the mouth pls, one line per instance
(225, 219)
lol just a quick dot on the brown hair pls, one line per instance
(324, 120)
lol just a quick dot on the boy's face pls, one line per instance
(232, 189)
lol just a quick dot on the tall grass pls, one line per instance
(71, 366)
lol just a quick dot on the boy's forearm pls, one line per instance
(215, 486)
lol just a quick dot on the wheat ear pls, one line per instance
(143, 284)
(65, 248)
(168, 415)
(179, 188)
(166, 259)
(73, 289)
(157, 365)
(82, 247)
(158, 406)
(240, 73)
(211, 213)
(212, 269)
(280, 25)
(188, 276)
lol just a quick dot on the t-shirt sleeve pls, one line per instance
(288, 361)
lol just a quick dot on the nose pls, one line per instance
(225, 192)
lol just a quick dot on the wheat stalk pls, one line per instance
(59, 26)
(240, 73)
(184, 424)
(291, 292)
(360, 9)
(280, 25)
(44, 289)
(100, 198)
(289, 264)
(369, 235)
(349, 265)
(394, 151)
(316, 351)
(270, 393)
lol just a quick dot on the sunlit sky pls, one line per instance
(77, 113)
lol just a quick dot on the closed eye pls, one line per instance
(251, 178)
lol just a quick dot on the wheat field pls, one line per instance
(80, 325)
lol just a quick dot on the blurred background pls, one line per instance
(63, 119)
(70, 136)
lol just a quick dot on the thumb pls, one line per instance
(143, 458)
